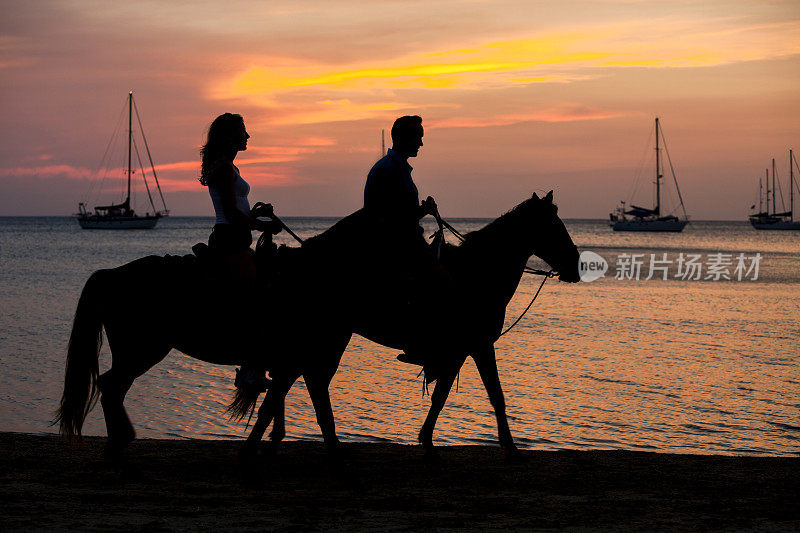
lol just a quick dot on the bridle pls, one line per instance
(527, 270)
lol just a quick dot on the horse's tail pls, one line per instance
(244, 402)
(80, 378)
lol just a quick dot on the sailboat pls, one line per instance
(776, 221)
(122, 215)
(635, 218)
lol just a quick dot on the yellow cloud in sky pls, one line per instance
(265, 81)
(548, 58)
(334, 111)
(308, 92)
(562, 114)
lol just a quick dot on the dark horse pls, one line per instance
(330, 283)
(486, 270)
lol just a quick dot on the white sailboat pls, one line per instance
(122, 215)
(763, 219)
(635, 218)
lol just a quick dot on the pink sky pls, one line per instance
(516, 97)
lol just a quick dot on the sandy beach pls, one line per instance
(192, 485)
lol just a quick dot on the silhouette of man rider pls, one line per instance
(392, 200)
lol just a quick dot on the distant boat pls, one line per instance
(776, 221)
(122, 216)
(635, 218)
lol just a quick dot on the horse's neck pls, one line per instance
(509, 276)
(497, 267)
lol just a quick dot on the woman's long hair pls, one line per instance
(220, 142)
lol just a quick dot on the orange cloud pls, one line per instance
(316, 141)
(169, 184)
(67, 171)
(433, 70)
(336, 111)
(273, 176)
(563, 114)
(179, 165)
(280, 153)
(368, 89)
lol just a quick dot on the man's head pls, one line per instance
(407, 135)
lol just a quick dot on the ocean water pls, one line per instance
(702, 365)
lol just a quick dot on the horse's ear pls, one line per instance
(535, 196)
(549, 197)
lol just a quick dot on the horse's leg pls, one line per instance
(487, 368)
(318, 384)
(271, 407)
(113, 386)
(128, 362)
(279, 422)
(438, 399)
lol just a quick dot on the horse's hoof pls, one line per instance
(425, 438)
(270, 448)
(277, 436)
(513, 455)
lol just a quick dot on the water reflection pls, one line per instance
(678, 366)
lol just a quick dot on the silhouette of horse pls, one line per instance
(486, 269)
(335, 283)
(199, 324)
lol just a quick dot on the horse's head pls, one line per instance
(552, 242)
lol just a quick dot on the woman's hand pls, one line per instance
(262, 210)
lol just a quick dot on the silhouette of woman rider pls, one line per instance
(230, 239)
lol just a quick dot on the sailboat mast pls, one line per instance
(760, 203)
(766, 180)
(658, 175)
(773, 187)
(791, 187)
(130, 139)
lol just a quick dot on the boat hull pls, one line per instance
(91, 222)
(673, 226)
(786, 225)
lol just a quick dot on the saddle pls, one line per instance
(209, 262)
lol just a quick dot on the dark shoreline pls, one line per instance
(179, 485)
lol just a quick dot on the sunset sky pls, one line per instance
(516, 97)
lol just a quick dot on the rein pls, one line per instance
(526, 270)
(530, 271)
(287, 229)
(273, 216)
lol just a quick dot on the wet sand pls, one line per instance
(199, 485)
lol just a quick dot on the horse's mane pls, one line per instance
(342, 232)
(505, 227)
(345, 238)
(353, 234)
